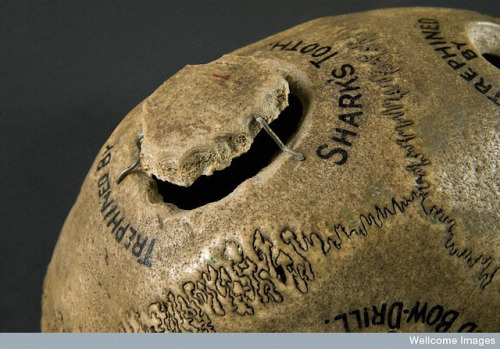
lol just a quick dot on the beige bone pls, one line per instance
(390, 224)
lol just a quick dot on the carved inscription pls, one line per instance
(351, 108)
(271, 267)
(124, 233)
(317, 52)
(457, 55)
(343, 77)
(384, 73)
(397, 315)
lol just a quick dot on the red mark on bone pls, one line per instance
(225, 77)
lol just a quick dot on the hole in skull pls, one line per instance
(485, 37)
(207, 189)
(493, 59)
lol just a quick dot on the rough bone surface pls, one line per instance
(204, 116)
(390, 224)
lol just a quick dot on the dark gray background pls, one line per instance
(71, 70)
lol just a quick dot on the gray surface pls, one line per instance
(250, 341)
(71, 70)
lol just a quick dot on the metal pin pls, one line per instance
(278, 141)
(125, 172)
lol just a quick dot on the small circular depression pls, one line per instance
(207, 189)
(485, 37)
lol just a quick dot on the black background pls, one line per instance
(71, 70)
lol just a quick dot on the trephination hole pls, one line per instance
(485, 36)
(207, 189)
(493, 59)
